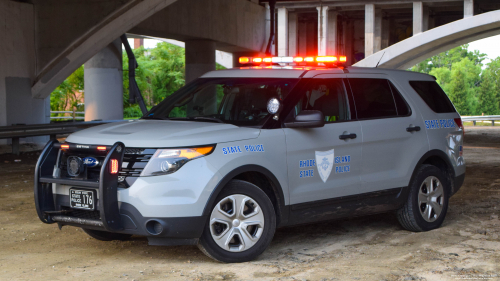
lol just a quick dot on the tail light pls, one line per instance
(459, 123)
(113, 168)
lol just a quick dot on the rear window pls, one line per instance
(433, 95)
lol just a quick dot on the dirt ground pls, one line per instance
(370, 248)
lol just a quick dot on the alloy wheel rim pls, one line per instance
(236, 223)
(430, 199)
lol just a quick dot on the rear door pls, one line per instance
(394, 136)
(324, 163)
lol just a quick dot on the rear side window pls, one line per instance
(373, 98)
(433, 95)
(401, 105)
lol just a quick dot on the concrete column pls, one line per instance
(104, 84)
(322, 30)
(369, 29)
(349, 41)
(200, 58)
(377, 38)
(268, 30)
(418, 17)
(468, 8)
(385, 33)
(282, 32)
(331, 47)
(302, 39)
(426, 18)
(292, 34)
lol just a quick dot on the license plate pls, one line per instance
(82, 199)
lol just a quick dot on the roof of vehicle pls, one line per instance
(305, 72)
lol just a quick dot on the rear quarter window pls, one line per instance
(433, 95)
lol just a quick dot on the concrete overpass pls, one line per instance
(45, 41)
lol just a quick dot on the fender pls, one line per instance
(442, 156)
(283, 210)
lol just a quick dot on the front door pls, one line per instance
(324, 163)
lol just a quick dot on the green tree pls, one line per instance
(69, 94)
(458, 92)
(487, 99)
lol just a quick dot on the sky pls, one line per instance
(490, 46)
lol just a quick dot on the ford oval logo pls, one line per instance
(90, 162)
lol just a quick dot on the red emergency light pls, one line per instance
(320, 60)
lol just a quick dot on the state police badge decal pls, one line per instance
(324, 163)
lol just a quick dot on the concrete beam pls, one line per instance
(282, 32)
(415, 49)
(91, 42)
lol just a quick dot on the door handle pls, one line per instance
(413, 129)
(347, 136)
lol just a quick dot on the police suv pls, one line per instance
(228, 158)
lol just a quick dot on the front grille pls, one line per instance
(134, 163)
(82, 214)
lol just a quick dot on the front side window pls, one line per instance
(327, 96)
(237, 101)
(373, 98)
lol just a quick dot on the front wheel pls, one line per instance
(427, 202)
(241, 225)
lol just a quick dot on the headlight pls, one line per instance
(167, 161)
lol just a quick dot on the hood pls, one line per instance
(162, 133)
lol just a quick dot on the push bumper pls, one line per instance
(110, 214)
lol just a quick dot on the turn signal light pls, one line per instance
(244, 60)
(113, 168)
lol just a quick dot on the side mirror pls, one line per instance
(307, 119)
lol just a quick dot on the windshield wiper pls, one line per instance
(197, 118)
(155, 117)
(209, 119)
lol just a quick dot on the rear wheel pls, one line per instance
(106, 236)
(427, 203)
(241, 225)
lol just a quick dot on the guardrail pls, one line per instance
(481, 118)
(73, 115)
(16, 132)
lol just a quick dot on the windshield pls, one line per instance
(237, 101)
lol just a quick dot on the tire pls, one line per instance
(106, 236)
(429, 192)
(231, 236)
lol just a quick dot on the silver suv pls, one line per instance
(237, 153)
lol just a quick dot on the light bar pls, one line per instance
(322, 60)
(101, 148)
(64, 146)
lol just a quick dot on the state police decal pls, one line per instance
(324, 163)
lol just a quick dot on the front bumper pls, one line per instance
(110, 215)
